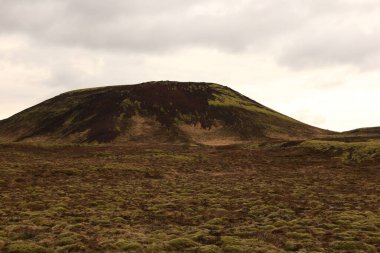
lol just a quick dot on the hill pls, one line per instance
(154, 111)
(364, 133)
(290, 188)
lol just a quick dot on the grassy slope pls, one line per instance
(273, 124)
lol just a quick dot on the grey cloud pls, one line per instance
(145, 25)
(298, 33)
(360, 49)
(349, 37)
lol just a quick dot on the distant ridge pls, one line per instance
(162, 111)
(365, 130)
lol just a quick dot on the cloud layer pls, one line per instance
(304, 32)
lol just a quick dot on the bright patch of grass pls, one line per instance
(347, 151)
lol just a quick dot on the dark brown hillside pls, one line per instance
(154, 111)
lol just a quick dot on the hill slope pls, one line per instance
(154, 111)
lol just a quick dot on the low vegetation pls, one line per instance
(347, 151)
(174, 198)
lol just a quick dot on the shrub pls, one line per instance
(216, 221)
(206, 238)
(127, 245)
(66, 241)
(181, 243)
(153, 173)
(233, 244)
(298, 235)
(107, 245)
(77, 247)
(352, 246)
(118, 220)
(235, 249)
(24, 247)
(36, 206)
(155, 247)
(2, 244)
(209, 249)
(292, 246)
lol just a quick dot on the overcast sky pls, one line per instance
(315, 60)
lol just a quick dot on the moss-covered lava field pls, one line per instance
(276, 197)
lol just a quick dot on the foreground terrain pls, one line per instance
(313, 196)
